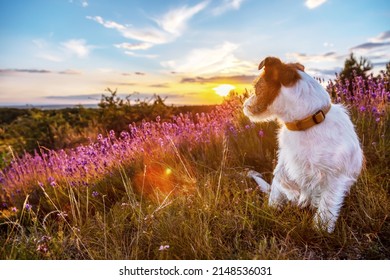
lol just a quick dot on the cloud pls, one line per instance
(316, 58)
(237, 79)
(220, 59)
(312, 4)
(370, 45)
(169, 26)
(77, 47)
(159, 86)
(134, 46)
(149, 34)
(382, 40)
(70, 72)
(50, 57)
(175, 21)
(38, 71)
(325, 72)
(140, 55)
(375, 48)
(84, 4)
(30, 71)
(129, 47)
(226, 6)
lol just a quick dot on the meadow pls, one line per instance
(176, 188)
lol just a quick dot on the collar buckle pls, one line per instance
(318, 117)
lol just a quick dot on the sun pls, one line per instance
(224, 89)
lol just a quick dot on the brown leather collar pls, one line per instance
(310, 121)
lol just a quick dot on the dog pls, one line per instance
(319, 156)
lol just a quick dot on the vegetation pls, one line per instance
(174, 187)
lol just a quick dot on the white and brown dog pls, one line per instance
(319, 155)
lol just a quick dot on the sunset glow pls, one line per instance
(223, 90)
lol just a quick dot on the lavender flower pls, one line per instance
(27, 207)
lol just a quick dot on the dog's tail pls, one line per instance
(263, 185)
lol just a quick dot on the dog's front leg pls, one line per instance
(331, 201)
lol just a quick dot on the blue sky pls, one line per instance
(69, 51)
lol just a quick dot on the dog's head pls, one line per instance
(268, 85)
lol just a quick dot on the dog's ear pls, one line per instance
(270, 62)
(277, 72)
(271, 67)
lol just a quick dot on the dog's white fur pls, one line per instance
(316, 167)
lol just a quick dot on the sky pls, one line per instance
(71, 51)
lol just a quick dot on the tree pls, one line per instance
(353, 67)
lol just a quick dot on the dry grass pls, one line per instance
(198, 202)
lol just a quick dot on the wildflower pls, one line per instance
(14, 209)
(62, 214)
(378, 119)
(163, 248)
(362, 108)
(40, 184)
(52, 182)
(247, 126)
(42, 248)
(95, 193)
(27, 207)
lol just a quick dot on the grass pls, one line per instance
(195, 202)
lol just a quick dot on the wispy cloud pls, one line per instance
(148, 34)
(236, 79)
(312, 4)
(30, 71)
(62, 51)
(50, 57)
(170, 25)
(134, 46)
(77, 47)
(175, 21)
(150, 56)
(326, 57)
(69, 72)
(227, 5)
(220, 59)
(381, 40)
(38, 71)
(376, 48)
